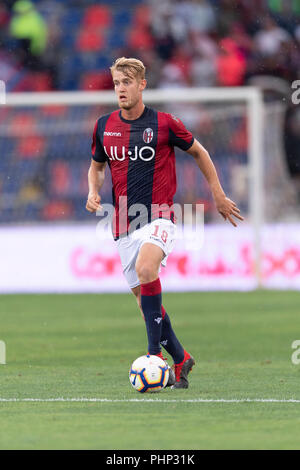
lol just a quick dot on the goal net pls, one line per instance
(45, 142)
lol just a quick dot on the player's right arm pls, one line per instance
(183, 139)
(96, 175)
(225, 206)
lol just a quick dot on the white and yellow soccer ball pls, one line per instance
(149, 374)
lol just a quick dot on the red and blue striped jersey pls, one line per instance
(141, 157)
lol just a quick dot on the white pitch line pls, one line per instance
(149, 400)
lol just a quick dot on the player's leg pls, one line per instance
(137, 293)
(183, 362)
(147, 267)
(129, 249)
(168, 338)
(162, 234)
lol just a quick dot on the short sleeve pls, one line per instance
(179, 136)
(98, 153)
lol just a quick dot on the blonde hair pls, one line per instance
(130, 67)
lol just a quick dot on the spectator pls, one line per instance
(203, 70)
(292, 144)
(197, 14)
(228, 14)
(203, 44)
(172, 76)
(297, 33)
(164, 41)
(284, 6)
(275, 52)
(184, 33)
(296, 52)
(242, 39)
(268, 41)
(231, 64)
(165, 34)
(251, 14)
(202, 16)
(153, 66)
(182, 57)
(30, 30)
(9, 73)
(286, 12)
(3, 22)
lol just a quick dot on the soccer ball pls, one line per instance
(149, 374)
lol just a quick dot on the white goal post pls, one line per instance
(252, 96)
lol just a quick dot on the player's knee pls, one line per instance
(146, 272)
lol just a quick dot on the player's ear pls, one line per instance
(143, 84)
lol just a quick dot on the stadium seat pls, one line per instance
(103, 61)
(96, 80)
(116, 39)
(11, 186)
(97, 15)
(90, 39)
(72, 17)
(8, 146)
(35, 81)
(142, 16)
(69, 26)
(41, 81)
(122, 19)
(31, 147)
(58, 147)
(73, 66)
(23, 122)
(28, 168)
(54, 110)
(140, 38)
(4, 114)
(238, 141)
(60, 177)
(57, 210)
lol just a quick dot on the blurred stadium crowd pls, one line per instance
(69, 45)
(64, 45)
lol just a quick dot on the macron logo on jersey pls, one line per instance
(113, 134)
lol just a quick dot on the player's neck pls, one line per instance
(133, 113)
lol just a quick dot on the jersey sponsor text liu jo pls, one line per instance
(145, 153)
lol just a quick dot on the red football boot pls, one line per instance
(182, 370)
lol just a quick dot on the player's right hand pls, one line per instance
(93, 202)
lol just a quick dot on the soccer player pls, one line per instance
(137, 142)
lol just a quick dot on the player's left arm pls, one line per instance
(225, 206)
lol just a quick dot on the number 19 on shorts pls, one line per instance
(163, 235)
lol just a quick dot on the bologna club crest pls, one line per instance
(148, 135)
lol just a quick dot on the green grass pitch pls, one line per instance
(74, 346)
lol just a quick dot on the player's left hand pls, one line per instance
(228, 209)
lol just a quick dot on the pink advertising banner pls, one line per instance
(73, 258)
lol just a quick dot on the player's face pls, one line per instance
(128, 89)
